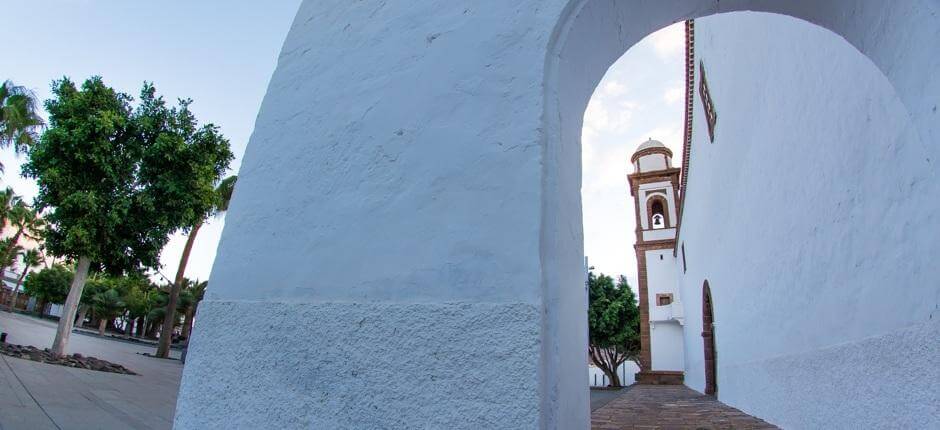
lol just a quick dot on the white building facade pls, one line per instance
(417, 167)
(804, 223)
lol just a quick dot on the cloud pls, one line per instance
(613, 88)
(674, 94)
(670, 41)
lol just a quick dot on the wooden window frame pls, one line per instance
(661, 296)
(708, 104)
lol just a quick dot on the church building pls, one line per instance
(654, 185)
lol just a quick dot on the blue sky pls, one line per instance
(221, 54)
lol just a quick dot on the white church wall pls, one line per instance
(659, 234)
(666, 345)
(665, 337)
(652, 162)
(813, 218)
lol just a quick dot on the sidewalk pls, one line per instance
(43, 396)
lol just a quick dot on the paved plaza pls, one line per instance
(670, 407)
(45, 396)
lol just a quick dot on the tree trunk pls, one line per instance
(101, 325)
(188, 323)
(141, 324)
(128, 325)
(608, 361)
(16, 289)
(71, 306)
(166, 335)
(41, 306)
(82, 313)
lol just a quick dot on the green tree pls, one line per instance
(613, 324)
(20, 122)
(31, 258)
(222, 197)
(106, 305)
(95, 284)
(115, 181)
(195, 291)
(140, 301)
(49, 285)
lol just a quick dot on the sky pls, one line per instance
(639, 98)
(221, 54)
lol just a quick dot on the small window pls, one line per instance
(684, 268)
(663, 299)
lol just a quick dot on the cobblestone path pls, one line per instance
(670, 407)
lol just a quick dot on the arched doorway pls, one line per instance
(708, 340)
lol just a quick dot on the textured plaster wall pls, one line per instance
(427, 154)
(813, 217)
(396, 163)
(364, 366)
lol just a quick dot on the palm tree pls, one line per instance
(26, 222)
(31, 258)
(107, 305)
(197, 290)
(19, 117)
(223, 196)
(7, 198)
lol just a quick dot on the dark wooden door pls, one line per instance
(708, 338)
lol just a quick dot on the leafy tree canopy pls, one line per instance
(50, 284)
(613, 314)
(613, 324)
(115, 180)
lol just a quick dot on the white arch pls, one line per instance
(415, 174)
(592, 34)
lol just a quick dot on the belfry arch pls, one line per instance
(417, 168)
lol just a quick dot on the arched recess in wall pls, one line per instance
(657, 212)
(590, 35)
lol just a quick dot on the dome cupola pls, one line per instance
(650, 156)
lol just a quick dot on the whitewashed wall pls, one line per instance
(416, 166)
(813, 217)
(627, 372)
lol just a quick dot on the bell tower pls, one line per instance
(653, 185)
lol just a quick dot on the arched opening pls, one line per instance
(596, 33)
(448, 142)
(708, 341)
(657, 211)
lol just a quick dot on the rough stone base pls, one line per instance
(347, 365)
(660, 377)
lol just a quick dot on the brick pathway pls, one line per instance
(669, 407)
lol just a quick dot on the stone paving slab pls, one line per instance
(668, 407)
(44, 396)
